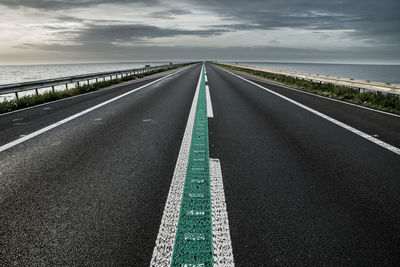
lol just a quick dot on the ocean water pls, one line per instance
(378, 73)
(24, 73)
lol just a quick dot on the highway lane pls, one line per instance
(300, 190)
(92, 191)
(385, 127)
(25, 121)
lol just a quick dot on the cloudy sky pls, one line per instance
(58, 31)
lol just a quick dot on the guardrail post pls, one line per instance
(37, 92)
(16, 95)
(66, 86)
(88, 82)
(77, 83)
(110, 77)
(97, 80)
(52, 88)
(104, 78)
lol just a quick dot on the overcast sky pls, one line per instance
(58, 31)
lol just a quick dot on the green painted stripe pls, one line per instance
(193, 241)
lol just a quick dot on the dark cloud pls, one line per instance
(90, 52)
(365, 19)
(122, 33)
(170, 14)
(375, 23)
(66, 4)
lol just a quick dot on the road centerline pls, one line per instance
(210, 112)
(194, 229)
(164, 245)
(223, 255)
(194, 238)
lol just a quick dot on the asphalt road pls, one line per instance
(300, 190)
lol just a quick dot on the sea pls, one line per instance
(25, 73)
(370, 72)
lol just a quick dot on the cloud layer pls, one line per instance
(336, 28)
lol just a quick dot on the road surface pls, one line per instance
(98, 179)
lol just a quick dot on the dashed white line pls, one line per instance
(223, 254)
(164, 247)
(326, 117)
(210, 112)
(61, 122)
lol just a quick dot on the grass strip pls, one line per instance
(377, 100)
(32, 100)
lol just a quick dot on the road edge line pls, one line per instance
(79, 114)
(326, 117)
(131, 82)
(260, 79)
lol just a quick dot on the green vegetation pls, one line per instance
(377, 100)
(32, 100)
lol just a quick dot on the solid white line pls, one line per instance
(89, 93)
(206, 78)
(223, 255)
(326, 117)
(324, 97)
(164, 248)
(210, 112)
(56, 124)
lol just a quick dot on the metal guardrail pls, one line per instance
(16, 88)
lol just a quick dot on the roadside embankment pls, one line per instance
(377, 95)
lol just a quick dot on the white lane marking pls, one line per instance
(164, 247)
(56, 124)
(47, 108)
(326, 117)
(210, 112)
(324, 97)
(98, 119)
(19, 119)
(223, 255)
(85, 94)
(206, 78)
